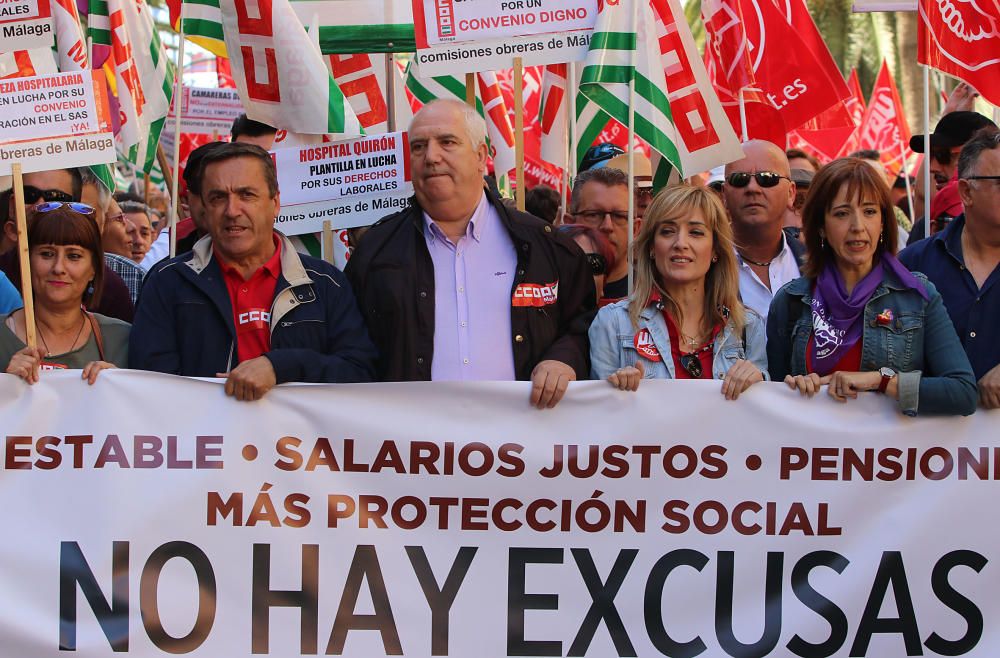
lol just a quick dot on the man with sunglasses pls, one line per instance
(757, 192)
(963, 261)
(64, 186)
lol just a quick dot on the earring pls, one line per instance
(822, 243)
(715, 259)
(90, 288)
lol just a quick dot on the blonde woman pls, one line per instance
(684, 320)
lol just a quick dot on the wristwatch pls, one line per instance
(887, 375)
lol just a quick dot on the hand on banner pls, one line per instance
(549, 381)
(627, 378)
(989, 389)
(94, 368)
(251, 379)
(807, 385)
(962, 99)
(26, 363)
(846, 385)
(740, 377)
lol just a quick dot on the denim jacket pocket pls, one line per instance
(800, 343)
(902, 342)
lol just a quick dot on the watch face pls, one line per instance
(887, 372)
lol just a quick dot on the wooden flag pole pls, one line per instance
(178, 94)
(470, 89)
(145, 188)
(161, 158)
(23, 256)
(390, 93)
(519, 130)
(631, 148)
(571, 101)
(327, 241)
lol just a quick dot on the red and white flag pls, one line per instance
(553, 114)
(71, 43)
(750, 41)
(962, 38)
(498, 125)
(884, 127)
(831, 135)
(27, 63)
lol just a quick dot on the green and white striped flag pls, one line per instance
(345, 26)
(143, 74)
(621, 52)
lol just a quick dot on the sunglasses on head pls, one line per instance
(75, 206)
(598, 264)
(33, 195)
(763, 178)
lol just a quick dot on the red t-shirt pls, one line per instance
(705, 356)
(251, 301)
(849, 362)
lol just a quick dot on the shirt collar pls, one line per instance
(477, 223)
(272, 266)
(951, 238)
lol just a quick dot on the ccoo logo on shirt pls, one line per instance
(257, 317)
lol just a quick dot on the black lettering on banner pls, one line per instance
(440, 599)
(653, 603)
(891, 573)
(602, 607)
(519, 601)
(956, 601)
(819, 604)
(263, 598)
(149, 608)
(365, 566)
(113, 616)
(772, 606)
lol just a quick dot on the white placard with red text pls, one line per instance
(55, 121)
(206, 111)
(351, 183)
(454, 519)
(463, 36)
(25, 24)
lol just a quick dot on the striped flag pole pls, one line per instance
(178, 100)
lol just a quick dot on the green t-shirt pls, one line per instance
(114, 332)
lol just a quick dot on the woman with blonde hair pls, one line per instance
(684, 319)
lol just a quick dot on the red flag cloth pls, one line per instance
(778, 52)
(962, 39)
(224, 72)
(763, 121)
(884, 127)
(825, 136)
(174, 7)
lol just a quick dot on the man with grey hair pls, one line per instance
(963, 261)
(459, 287)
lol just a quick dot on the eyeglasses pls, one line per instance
(763, 178)
(75, 206)
(982, 178)
(598, 264)
(594, 218)
(32, 195)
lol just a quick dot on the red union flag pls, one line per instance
(962, 38)
(751, 41)
(825, 136)
(884, 127)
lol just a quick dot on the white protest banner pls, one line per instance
(25, 24)
(465, 36)
(55, 121)
(206, 111)
(453, 519)
(351, 183)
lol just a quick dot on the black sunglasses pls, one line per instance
(692, 364)
(763, 178)
(32, 195)
(598, 264)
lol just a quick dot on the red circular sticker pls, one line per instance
(645, 346)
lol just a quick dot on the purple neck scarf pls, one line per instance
(838, 318)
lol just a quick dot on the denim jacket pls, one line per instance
(612, 343)
(901, 331)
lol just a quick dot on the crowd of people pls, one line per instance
(775, 268)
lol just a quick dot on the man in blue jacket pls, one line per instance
(243, 304)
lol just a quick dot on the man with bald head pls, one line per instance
(459, 287)
(757, 191)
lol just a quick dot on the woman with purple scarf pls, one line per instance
(859, 320)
